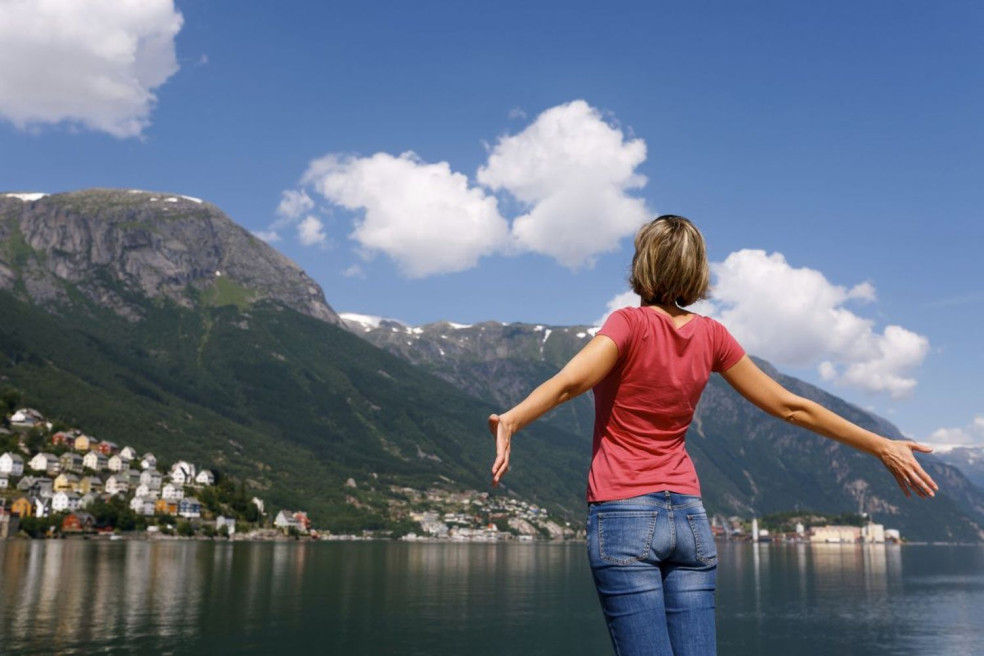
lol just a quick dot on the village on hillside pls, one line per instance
(65, 482)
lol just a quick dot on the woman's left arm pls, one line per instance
(584, 371)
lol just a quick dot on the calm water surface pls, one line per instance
(479, 599)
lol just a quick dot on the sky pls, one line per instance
(491, 161)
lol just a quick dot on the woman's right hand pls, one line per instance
(898, 458)
(502, 431)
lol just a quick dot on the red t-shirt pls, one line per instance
(644, 406)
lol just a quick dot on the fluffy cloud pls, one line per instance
(966, 436)
(796, 317)
(424, 216)
(311, 231)
(572, 170)
(93, 63)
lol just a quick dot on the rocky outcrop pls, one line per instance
(121, 247)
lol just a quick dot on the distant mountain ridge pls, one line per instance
(748, 462)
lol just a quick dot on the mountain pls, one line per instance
(748, 462)
(968, 459)
(162, 324)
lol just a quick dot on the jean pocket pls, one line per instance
(627, 536)
(703, 538)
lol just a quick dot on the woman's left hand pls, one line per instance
(502, 431)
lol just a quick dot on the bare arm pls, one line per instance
(584, 371)
(753, 383)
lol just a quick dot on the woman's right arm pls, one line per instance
(756, 386)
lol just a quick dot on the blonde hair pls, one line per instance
(670, 263)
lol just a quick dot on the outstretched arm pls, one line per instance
(753, 383)
(584, 371)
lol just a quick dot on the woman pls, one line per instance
(650, 546)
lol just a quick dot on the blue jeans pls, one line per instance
(655, 567)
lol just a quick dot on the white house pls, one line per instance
(95, 460)
(144, 490)
(12, 464)
(133, 475)
(228, 522)
(117, 484)
(183, 473)
(151, 478)
(142, 505)
(205, 477)
(149, 461)
(26, 418)
(42, 506)
(285, 519)
(46, 462)
(117, 463)
(172, 492)
(70, 461)
(190, 508)
(65, 501)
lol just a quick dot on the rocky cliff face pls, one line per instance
(119, 247)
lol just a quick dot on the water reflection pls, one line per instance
(76, 596)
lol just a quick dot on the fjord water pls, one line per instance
(183, 597)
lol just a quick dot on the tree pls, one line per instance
(185, 529)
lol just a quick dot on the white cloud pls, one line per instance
(354, 271)
(517, 112)
(972, 434)
(424, 216)
(90, 63)
(294, 203)
(268, 236)
(571, 170)
(311, 231)
(796, 317)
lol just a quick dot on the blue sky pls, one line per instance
(832, 153)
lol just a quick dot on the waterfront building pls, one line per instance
(78, 522)
(836, 534)
(12, 464)
(872, 532)
(228, 522)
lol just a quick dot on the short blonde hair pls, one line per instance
(670, 262)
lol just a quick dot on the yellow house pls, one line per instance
(89, 484)
(83, 443)
(66, 482)
(165, 507)
(22, 507)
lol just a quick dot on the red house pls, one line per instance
(78, 523)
